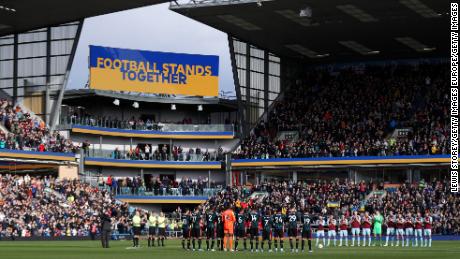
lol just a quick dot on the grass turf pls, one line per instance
(173, 250)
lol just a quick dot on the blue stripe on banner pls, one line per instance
(37, 153)
(339, 158)
(96, 159)
(154, 56)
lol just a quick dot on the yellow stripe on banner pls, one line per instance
(35, 156)
(121, 164)
(25, 167)
(162, 201)
(112, 79)
(343, 162)
(147, 135)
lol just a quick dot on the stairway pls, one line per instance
(380, 194)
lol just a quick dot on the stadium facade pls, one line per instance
(271, 44)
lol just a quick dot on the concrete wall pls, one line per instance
(217, 176)
(68, 171)
(110, 143)
(161, 115)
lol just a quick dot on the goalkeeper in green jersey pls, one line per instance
(378, 220)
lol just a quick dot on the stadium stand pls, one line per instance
(25, 132)
(355, 112)
(340, 198)
(50, 207)
(157, 186)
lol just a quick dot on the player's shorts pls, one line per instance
(366, 231)
(390, 231)
(331, 233)
(196, 232)
(152, 231)
(427, 232)
(306, 233)
(186, 233)
(409, 231)
(161, 232)
(228, 231)
(254, 232)
(400, 231)
(292, 232)
(418, 232)
(240, 232)
(278, 232)
(266, 234)
(355, 231)
(377, 230)
(210, 233)
(320, 233)
(137, 231)
(220, 232)
(343, 233)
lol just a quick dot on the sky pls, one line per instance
(153, 28)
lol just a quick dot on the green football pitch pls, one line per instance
(173, 250)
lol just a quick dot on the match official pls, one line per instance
(106, 227)
(161, 221)
(136, 228)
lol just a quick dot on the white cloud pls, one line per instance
(154, 28)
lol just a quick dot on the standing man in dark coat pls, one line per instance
(106, 227)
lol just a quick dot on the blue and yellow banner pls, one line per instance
(323, 161)
(23, 154)
(153, 72)
(108, 162)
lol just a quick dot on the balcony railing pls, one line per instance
(69, 121)
(179, 191)
(184, 156)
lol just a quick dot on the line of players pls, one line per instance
(273, 226)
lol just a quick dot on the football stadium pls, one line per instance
(338, 137)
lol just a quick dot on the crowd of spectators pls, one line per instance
(27, 132)
(51, 207)
(342, 197)
(355, 113)
(48, 207)
(155, 185)
(162, 153)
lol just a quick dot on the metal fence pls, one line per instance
(124, 154)
(166, 191)
(69, 121)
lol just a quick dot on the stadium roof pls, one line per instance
(22, 15)
(82, 97)
(333, 30)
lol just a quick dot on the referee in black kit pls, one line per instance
(106, 227)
